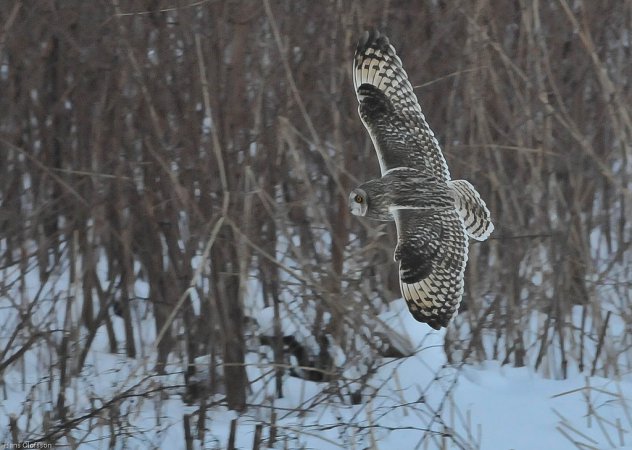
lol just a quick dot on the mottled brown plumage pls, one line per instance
(434, 214)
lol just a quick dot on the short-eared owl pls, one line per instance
(434, 214)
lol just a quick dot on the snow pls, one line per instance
(408, 402)
(415, 401)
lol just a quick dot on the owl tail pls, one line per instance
(472, 209)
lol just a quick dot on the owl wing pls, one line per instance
(390, 111)
(432, 253)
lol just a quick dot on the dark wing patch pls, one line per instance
(417, 252)
(432, 250)
(391, 112)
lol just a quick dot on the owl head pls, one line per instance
(358, 202)
(371, 200)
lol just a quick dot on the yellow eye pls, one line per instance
(358, 198)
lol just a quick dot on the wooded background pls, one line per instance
(137, 135)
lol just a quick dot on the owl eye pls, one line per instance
(358, 198)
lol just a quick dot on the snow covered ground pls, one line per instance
(416, 402)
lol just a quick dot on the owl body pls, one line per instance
(435, 216)
(400, 188)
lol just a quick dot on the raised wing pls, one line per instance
(432, 253)
(390, 111)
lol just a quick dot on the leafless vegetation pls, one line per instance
(205, 149)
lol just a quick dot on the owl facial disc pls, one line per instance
(358, 202)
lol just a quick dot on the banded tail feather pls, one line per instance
(472, 209)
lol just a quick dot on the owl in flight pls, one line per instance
(434, 214)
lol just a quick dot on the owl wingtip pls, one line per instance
(438, 322)
(435, 325)
(371, 36)
(365, 40)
